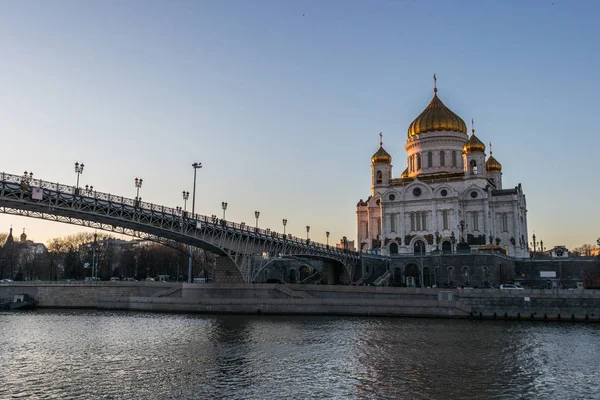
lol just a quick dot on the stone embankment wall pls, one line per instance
(85, 294)
(564, 305)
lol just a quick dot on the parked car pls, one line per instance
(511, 287)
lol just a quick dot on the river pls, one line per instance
(53, 354)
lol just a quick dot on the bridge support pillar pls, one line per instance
(227, 272)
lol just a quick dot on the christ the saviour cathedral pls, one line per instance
(449, 198)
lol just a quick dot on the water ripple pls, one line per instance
(117, 355)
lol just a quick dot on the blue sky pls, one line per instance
(282, 101)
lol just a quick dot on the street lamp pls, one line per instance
(534, 243)
(284, 224)
(224, 207)
(453, 240)
(138, 185)
(256, 215)
(78, 171)
(27, 177)
(327, 236)
(195, 165)
(307, 230)
(186, 196)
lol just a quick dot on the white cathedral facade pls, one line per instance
(450, 193)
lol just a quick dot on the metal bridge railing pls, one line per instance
(26, 182)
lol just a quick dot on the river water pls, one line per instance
(47, 354)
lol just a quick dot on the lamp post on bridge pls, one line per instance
(453, 240)
(307, 231)
(224, 207)
(186, 196)
(284, 224)
(534, 244)
(138, 185)
(27, 177)
(327, 236)
(78, 171)
(196, 166)
(256, 215)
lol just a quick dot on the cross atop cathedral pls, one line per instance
(434, 83)
(380, 139)
(472, 126)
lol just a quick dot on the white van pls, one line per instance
(114, 279)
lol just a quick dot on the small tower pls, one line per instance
(474, 154)
(381, 169)
(494, 170)
(23, 236)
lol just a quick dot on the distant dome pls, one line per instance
(381, 156)
(436, 117)
(492, 165)
(473, 144)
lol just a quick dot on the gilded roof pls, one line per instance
(381, 157)
(492, 164)
(473, 144)
(436, 117)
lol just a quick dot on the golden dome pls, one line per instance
(473, 144)
(381, 156)
(436, 117)
(492, 165)
(404, 174)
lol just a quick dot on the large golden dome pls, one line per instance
(436, 117)
(473, 144)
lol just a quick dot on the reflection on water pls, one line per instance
(118, 355)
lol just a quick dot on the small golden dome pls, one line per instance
(436, 117)
(492, 165)
(381, 156)
(473, 144)
(404, 174)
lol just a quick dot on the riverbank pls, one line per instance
(563, 305)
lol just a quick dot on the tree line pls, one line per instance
(72, 257)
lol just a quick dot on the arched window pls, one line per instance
(454, 158)
(418, 161)
(429, 159)
(392, 222)
(379, 177)
(442, 158)
(504, 218)
(393, 248)
(450, 276)
(473, 167)
(445, 220)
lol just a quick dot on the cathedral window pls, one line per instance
(475, 221)
(442, 158)
(379, 177)
(412, 221)
(473, 167)
(429, 159)
(504, 219)
(418, 161)
(392, 223)
(418, 221)
(424, 220)
(454, 158)
(445, 220)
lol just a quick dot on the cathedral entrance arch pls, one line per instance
(446, 247)
(412, 275)
(394, 248)
(419, 247)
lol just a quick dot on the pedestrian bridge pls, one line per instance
(244, 251)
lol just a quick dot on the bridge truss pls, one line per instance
(248, 247)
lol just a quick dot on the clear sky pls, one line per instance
(283, 101)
